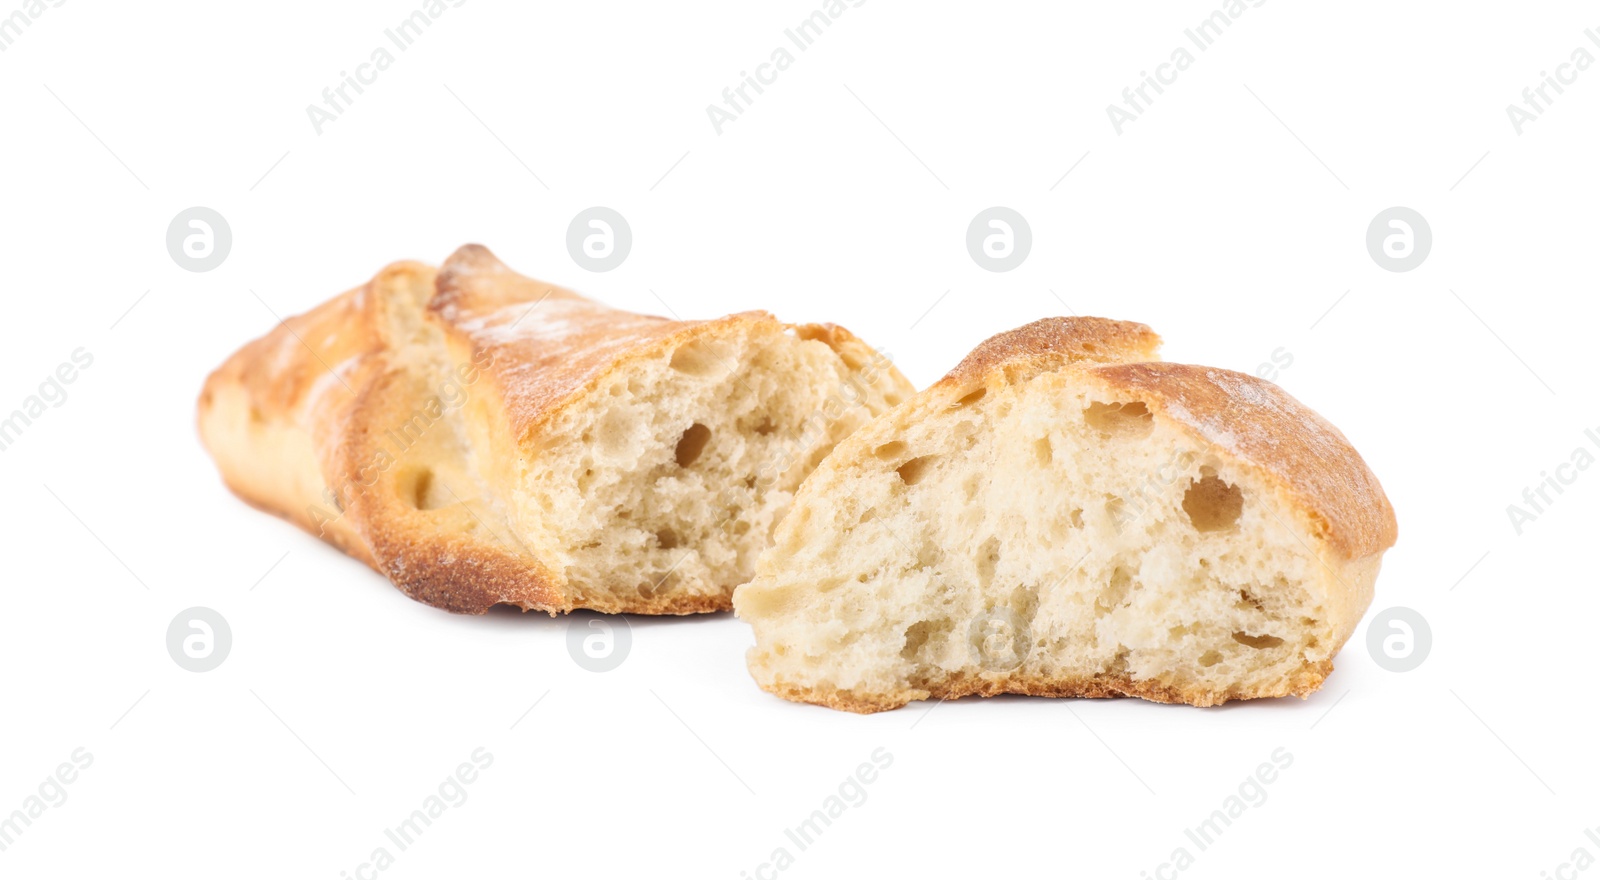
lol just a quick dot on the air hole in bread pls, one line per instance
(1042, 452)
(828, 585)
(1210, 658)
(913, 471)
(1024, 601)
(666, 539)
(917, 635)
(1257, 642)
(988, 558)
(692, 443)
(766, 427)
(701, 358)
(972, 397)
(1121, 420)
(1212, 505)
(890, 451)
(1116, 592)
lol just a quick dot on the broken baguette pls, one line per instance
(482, 438)
(1064, 515)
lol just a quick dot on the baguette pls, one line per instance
(482, 438)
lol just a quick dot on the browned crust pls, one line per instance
(577, 342)
(1251, 419)
(1306, 682)
(298, 420)
(281, 390)
(1259, 424)
(1051, 343)
(449, 558)
(567, 344)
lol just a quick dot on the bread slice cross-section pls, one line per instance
(481, 437)
(1065, 515)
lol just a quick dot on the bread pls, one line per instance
(482, 438)
(1063, 515)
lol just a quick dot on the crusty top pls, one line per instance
(553, 343)
(1051, 343)
(1259, 423)
(1252, 419)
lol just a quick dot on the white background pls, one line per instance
(1229, 221)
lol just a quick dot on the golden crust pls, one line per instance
(555, 346)
(1249, 418)
(1258, 423)
(1052, 343)
(334, 419)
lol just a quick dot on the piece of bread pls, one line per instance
(1062, 515)
(482, 438)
